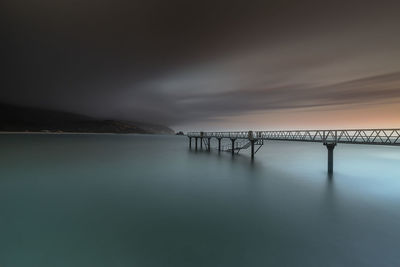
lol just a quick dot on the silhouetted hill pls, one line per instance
(26, 119)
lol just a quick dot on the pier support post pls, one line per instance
(252, 149)
(219, 144)
(209, 143)
(195, 139)
(190, 142)
(201, 140)
(330, 147)
(250, 135)
(233, 146)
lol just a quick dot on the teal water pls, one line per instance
(138, 200)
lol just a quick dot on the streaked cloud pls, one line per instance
(177, 61)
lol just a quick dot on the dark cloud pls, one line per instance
(375, 89)
(167, 61)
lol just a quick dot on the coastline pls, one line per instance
(76, 133)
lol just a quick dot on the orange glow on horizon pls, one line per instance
(347, 117)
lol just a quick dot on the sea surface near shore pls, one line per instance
(147, 200)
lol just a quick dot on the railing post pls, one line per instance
(330, 147)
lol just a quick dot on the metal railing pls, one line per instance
(357, 136)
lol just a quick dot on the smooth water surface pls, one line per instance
(141, 200)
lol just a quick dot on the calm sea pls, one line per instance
(142, 200)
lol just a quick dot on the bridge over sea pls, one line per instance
(242, 140)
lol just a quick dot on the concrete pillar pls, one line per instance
(233, 146)
(190, 142)
(219, 144)
(330, 147)
(209, 143)
(252, 149)
(195, 139)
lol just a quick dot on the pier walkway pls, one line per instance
(254, 140)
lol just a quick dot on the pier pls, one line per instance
(242, 140)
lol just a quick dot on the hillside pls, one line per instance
(26, 119)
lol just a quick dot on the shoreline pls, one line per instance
(86, 133)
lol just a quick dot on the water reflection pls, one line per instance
(150, 201)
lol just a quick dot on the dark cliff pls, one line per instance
(26, 119)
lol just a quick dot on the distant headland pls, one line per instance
(28, 119)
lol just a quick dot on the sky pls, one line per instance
(207, 65)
